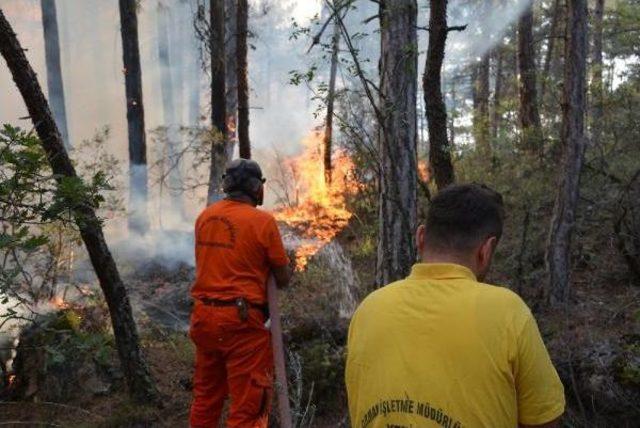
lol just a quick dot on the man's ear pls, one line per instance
(260, 195)
(421, 234)
(486, 250)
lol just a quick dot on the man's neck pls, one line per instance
(432, 258)
(241, 198)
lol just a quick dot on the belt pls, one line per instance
(241, 303)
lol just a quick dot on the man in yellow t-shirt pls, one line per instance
(440, 348)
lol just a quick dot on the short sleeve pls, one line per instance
(539, 389)
(273, 244)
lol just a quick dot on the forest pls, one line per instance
(117, 119)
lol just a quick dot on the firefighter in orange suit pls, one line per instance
(237, 247)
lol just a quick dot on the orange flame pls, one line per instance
(232, 127)
(59, 303)
(424, 172)
(319, 212)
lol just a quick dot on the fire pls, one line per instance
(424, 173)
(318, 212)
(232, 127)
(58, 303)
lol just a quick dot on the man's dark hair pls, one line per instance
(462, 216)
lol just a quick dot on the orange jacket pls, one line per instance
(237, 245)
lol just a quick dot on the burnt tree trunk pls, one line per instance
(436, 110)
(398, 139)
(243, 78)
(574, 143)
(55, 83)
(218, 100)
(597, 89)
(529, 116)
(138, 220)
(231, 42)
(141, 386)
(553, 33)
(481, 111)
(328, 126)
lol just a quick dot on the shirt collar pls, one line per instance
(441, 271)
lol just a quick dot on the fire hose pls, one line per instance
(282, 390)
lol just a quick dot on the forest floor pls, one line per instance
(593, 342)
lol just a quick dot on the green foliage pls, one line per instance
(297, 77)
(37, 213)
(621, 28)
(67, 342)
(628, 364)
(323, 366)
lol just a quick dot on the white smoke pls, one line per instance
(281, 114)
(487, 24)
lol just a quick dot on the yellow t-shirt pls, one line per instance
(441, 349)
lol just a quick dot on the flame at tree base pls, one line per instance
(318, 212)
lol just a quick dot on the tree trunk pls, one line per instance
(218, 100)
(597, 89)
(55, 83)
(481, 110)
(398, 135)
(141, 386)
(436, 110)
(553, 33)
(529, 116)
(138, 220)
(176, 38)
(452, 116)
(497, 93)
(574, 143)
(171, 119)
(243, 79)
(195, 72)
(231, 52)
(328, 127)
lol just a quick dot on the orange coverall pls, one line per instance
(237, 245)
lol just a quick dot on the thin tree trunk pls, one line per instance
(231, 52)
(497, 93)
(195, 70)
(597, 89)
(529, 116)
(452, 116)
(141, 386)
(243, 79)
(194, 83)
(138, 220)
(553, 33)
(328, 127)
(398, 135)
(574, 143)
(170, 112)
(176, 33)
(436, 110)
(218, 100)
(481, 111)
(55, 83)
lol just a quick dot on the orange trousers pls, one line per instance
(233, 359)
